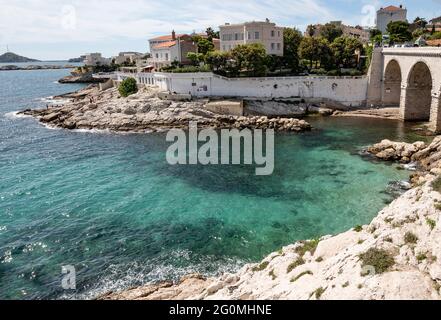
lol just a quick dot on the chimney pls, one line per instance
(173, 35)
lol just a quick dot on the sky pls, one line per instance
(63, 29)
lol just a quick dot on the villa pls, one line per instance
(266, 33)
(174, 47)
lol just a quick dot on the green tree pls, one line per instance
(399, 31)
(309, 50)
(205, 46)
(218, 60)
(212, 34)
(292, 38)
(344, 49)
(310, 30)
(420, 22)
(331, 32)
(195, 58)
(374, 33)
(325, 54)
(127, 87)
(435, 35)
(249, 58)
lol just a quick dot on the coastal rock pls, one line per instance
(81, 78)
(396, 151)
(144, 111)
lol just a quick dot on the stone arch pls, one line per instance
(418, 93)
(392, 84)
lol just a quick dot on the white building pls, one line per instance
(266, 33)
(174, 47)
(390, 14)
(95, 59)
(127, 57)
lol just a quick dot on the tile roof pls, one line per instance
(167, 37)
(391, 8)
(167, 44)
(434, 43)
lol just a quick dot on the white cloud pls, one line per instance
(32, 21)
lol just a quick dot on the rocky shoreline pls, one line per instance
(146, 112)
(396, 256)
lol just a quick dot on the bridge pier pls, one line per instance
(415, 104)
(435, 114)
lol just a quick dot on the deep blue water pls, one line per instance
(111, 206)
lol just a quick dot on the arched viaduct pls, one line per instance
(409, 78)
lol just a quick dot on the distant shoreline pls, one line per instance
(14, 67)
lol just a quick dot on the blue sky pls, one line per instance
(61, 29)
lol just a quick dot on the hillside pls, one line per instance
(10, 57)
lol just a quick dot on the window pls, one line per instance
(273, 46)
(166, 56)
(256, 35)
(278, 33)
(279, 46)
(273, 33)
(157, 56)
(249, 35)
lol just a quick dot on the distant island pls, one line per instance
(10, 57)
(76, 60)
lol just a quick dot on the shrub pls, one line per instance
(128, 87)
(379, 259)
(358, 229)
(310, 246)
(261, 266)
(272, 274)
(410, 238)
(436, 184)
(420, 257)
(295, 264)
(333, 73)
(304, 273)
(318, 293)
(431, 223)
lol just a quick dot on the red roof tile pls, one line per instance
(434, 43)
(167, 37)
(392, 8)
(167, 44)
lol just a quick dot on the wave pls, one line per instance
(16, 115)
(52, 100)
(135, 274)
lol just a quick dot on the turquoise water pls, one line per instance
(112, 207)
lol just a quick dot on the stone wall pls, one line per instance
(349, 91)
